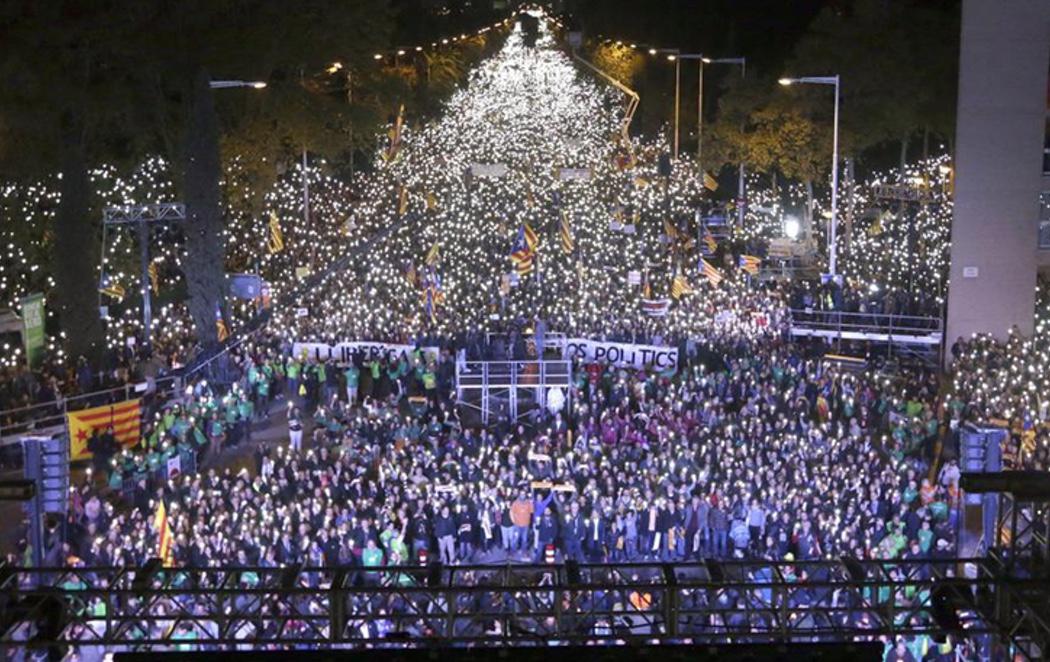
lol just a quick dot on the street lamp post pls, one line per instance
(833, 228)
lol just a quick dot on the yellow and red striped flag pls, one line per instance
(124, 417)
(164, 537)
(710, 183)
(276, 242)
(154, 277)
(680, 287)
(709, 243)
(713, 275)
(567, 243)
(433, 255)
(750, 264)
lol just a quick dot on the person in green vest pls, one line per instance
(430, 384)
(216, 435)
(291, 370)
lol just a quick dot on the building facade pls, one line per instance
(1001, 135)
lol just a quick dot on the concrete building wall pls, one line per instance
(1002, 106)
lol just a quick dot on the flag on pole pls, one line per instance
(164, 536)
(410, 272)
(647, 290)
(432, 201)
(710, 183)
(710, 245)
(402, 200)
(522, 253)
(750, 264)
(670, 232)
(713, 275)
(395, 135)
(112, 289)
(276, 242)
(531, 239)
(567, 243)
(433, 255)
(154, 277)
(221, 330)
(124, 417)
(680, 287)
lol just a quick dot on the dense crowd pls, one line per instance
(750, 449)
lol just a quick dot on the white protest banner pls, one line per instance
(488, 169)
(624, 355)
(724, 316)
(343, 352)
(634, 277)
(566, 174)
(174, 467)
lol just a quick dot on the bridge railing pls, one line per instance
(218, 608)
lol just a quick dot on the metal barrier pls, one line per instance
(876, 327)
(50, 414)
(227, 608)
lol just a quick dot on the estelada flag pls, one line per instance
(124, 417)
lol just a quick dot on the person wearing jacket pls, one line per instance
(546, 532)
(572, 532)
(445, 532)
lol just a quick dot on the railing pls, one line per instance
(424, 606)
(513, 374)
(867, 326)
(51, 414)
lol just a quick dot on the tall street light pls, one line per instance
(833, 228)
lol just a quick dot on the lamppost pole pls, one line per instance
(833, 226)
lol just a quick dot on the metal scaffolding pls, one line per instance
(502, 387)
(228, 608)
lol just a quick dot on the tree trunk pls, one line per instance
(809, 206)
(75, 245)
(904, 156)
(205, 244)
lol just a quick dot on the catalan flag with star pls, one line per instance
(714, 276)
(749, 263)
(123, 417)
(523, 252)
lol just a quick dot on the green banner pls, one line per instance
(33, 318)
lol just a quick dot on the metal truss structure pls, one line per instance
(164, 211)
(501, 387)
(230, 608)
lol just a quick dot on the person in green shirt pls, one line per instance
(351, 375)
(371, 557)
